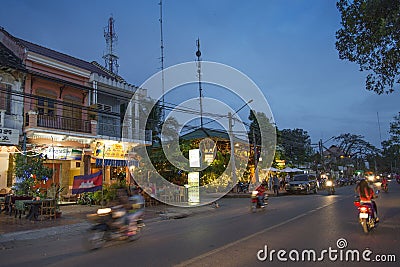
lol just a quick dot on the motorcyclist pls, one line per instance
(384, 182)
(262, 188)
(119, 208)
(367, 194)
(136, 210)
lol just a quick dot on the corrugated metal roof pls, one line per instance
(63, 57)
(8, 59)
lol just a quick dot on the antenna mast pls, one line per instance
(198, 54)
(111, 59)
(162, 62)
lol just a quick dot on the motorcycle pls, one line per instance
(366, 215)
(255, 203)
(330, 187)
(242, 187)
(111, 225)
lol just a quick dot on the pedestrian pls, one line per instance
(275, 184)
(270, 182)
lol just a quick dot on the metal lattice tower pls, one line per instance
(111, 59)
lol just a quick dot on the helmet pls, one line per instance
(264, 182)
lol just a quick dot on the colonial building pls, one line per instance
(73, 112)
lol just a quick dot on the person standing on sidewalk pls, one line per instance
(275, 184)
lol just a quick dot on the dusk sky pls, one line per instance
(286, 47)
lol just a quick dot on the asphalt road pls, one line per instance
(296, 225)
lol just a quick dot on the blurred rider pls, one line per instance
(384, 182)
(262, 188)
(136, 210)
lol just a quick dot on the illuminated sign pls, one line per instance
(65, 153)
(193, 190)
(194, 158)
(114, 151)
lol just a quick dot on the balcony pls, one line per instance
(58, 122)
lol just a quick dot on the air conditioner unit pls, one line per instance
(104, 107)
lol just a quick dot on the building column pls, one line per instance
(32, 118)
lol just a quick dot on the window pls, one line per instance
(46, 102)
(45, 106)
(5, 97)
(72, 113)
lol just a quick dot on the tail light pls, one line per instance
(363, 209)
(357, 203)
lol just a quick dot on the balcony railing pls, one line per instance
(61, 123)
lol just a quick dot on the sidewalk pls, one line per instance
(73, 219)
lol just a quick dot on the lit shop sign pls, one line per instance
(9, 136)
(66, 153)
(193, 190)
(115, 151)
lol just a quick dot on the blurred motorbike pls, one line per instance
(111, 225)
(255, 202)
(330, 187)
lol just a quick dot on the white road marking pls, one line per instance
(214, 251)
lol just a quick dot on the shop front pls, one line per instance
(109, 156)
(8, 147)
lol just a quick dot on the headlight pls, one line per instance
(329, 183)
(254, 193)
(103, 211)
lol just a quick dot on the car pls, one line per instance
(302, 183)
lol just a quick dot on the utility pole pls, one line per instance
(232, 147)
(255, 158)
(198, 54)
(162, 63)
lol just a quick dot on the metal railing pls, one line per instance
(62, 123)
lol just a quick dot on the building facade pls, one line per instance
(72, 112)
(12, 75)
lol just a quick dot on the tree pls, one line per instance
(296, 145)
(391, 147)
(370, 36)
(354, 147)
(30, 172)
(263, 132)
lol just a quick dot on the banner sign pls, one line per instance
(9, 136)
(63, 153)
(87, 183)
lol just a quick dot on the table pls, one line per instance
(44, 207)
(20, 207)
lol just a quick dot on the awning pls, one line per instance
(117, 162)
